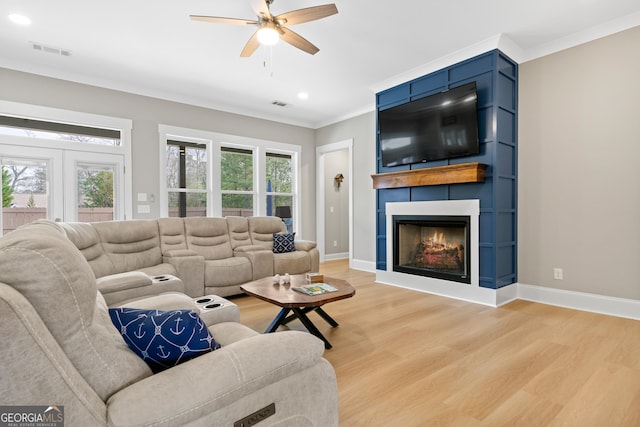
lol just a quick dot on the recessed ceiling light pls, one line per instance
(19, 19)
(303, 95)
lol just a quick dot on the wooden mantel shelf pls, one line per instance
(452, 174)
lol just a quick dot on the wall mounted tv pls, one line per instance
(436, 127)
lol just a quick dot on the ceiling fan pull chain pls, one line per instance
(271, 60)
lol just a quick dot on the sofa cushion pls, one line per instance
(208, 237)
(238, 231)
(262, 228)
(85, 237)
(130, 245)
(163, 338)
(283, 242)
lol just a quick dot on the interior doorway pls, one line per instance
(334, 200)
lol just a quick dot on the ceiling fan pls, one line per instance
(273, 28)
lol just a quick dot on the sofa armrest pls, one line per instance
(123, 281)
(261, 260)
(248, 248)
(304, 245)
(189, 268)
(216, 380)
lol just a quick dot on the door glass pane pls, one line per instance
(95, 193)
(24, 192)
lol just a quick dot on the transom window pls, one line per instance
(25, 127)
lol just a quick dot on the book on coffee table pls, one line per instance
(315, 288)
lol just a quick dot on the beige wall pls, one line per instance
(336, 203)
(579, 147)
(147, 113)
(362, 129)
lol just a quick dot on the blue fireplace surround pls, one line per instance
(496, 77)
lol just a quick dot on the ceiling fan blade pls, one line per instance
(261, 8)
(251, 46)
(221, 20)
(296, 40)
(308, 14)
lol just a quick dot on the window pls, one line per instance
(186, 179)
(237, 176)
(236, 181)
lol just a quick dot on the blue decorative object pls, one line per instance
(163, 338)
(283, 243)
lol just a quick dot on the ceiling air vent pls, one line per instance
(279, 103)
(49, 49)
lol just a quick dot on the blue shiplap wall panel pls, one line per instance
(496, 78)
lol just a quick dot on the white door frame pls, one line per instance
(320, 188)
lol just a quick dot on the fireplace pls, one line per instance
(433, 246)
(449, 225)
(452, 210)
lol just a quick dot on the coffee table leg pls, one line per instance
(326, 317)
(279, 320)
(311, 327)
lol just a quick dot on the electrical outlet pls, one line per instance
(557, 273)
(335, 243)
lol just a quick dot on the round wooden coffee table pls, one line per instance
(296, 305)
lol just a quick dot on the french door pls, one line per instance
(60, 185)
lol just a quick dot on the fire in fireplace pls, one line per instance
(432, 246)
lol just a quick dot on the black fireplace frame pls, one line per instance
(433, 221)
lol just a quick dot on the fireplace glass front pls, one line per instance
(432, 246)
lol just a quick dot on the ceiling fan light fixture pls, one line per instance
(268, 35)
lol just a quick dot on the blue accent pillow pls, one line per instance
(163, 338)
(283, 243)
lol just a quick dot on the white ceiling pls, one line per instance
(151, 47)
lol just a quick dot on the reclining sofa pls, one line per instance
(61, 349)
(209, 255)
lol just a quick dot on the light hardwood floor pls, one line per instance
(405, 358)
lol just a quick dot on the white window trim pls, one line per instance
(77, 118)
(215, 141)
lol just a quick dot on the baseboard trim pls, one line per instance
(358, 264)
(333, 257)
(460, 291)
(601, 304)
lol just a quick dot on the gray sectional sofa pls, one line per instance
(60, 348)
(209, 255)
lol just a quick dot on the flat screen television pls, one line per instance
(436, 127)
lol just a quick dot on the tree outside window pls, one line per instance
(7, 192)
(236, 181)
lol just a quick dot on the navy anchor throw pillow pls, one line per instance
(163, 338)
(283, 242)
